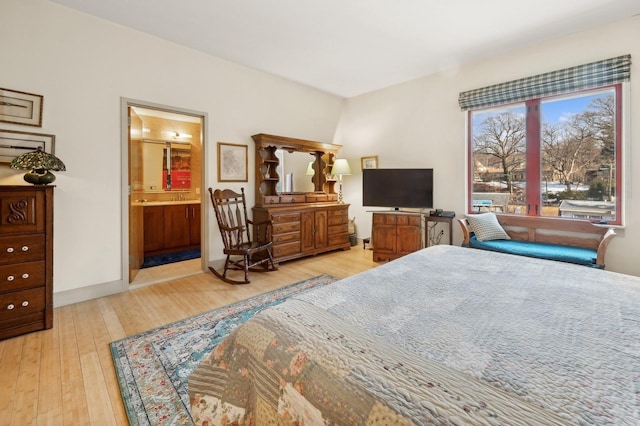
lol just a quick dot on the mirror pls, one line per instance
(167, 166)
(293, 169)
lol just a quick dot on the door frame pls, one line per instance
(125, 103)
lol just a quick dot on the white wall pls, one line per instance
(419, 124)
(83, 66)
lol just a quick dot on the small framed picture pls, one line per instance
(232, 162)
(20, 107)
(14, 143)
(369, 162)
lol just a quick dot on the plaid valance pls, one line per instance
(581, 77)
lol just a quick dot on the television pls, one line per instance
(397, 188)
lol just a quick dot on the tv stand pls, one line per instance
(395, 234)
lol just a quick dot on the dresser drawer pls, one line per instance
(315, 198)
(271, 199)
(21, 275)
(338, 213)
(338, 239)
(409, 220)
(21, 248)
(338, 220)
(286, 249)
(20, 303)
(339, 229)
(285, 227)
(285, 217)
(297, 198)
(384, 219)
(283, 238)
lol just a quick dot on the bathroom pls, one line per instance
(165, 176)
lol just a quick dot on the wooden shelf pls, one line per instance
(267, 163)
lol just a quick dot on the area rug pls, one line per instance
(153, 367)
(163, 259)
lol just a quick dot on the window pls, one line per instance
(549, 157)
(554, 154)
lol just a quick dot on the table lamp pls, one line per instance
(39, 163)
(340, 167)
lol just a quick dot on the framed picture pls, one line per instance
(13, 143)
(369, 162)
(232, 162)
(20, 107)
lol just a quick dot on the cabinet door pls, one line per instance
(194, 224)
(176, 226)
(409, 239)
(321, 229)
(153, 228)
(307, 237)
(384, 233)
(22, 211)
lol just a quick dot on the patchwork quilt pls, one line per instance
(446, 335)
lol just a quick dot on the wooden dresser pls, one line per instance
(26, 259)
(306, 228)
(306, 223)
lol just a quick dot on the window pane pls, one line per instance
(578, 156)
(498, 159)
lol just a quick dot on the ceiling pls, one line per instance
(351, 47)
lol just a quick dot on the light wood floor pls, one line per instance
(65, 376)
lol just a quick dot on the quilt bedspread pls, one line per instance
(446, 335)
(299, 365)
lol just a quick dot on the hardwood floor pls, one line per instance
(65, 376)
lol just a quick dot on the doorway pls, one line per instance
(163, 175)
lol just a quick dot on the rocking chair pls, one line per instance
(242, 252)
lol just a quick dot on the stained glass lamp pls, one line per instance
(39, 163)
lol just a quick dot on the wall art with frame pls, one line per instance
(232, 162)
(20, 107)
(369, 162)
(14, 143)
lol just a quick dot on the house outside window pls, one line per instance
(549, 152)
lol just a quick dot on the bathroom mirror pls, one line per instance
(166, 166)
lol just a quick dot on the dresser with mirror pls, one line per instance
(295, 189)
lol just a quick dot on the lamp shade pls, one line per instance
(310, 171)
(39, 163)
(341, 167)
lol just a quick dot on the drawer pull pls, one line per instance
(9, 249)
(25, 248)
(11, 306)
(25, 276)
(11, 278)
(25, 303)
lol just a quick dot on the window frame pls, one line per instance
(534, 179)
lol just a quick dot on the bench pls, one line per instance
(566, 240)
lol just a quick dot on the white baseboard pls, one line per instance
(82, 294)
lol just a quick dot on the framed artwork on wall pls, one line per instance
(232, 162)
(14, 143)
(20, 107)
(369, 162)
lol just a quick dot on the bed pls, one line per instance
(446, 335)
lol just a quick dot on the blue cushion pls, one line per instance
(581, 256)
